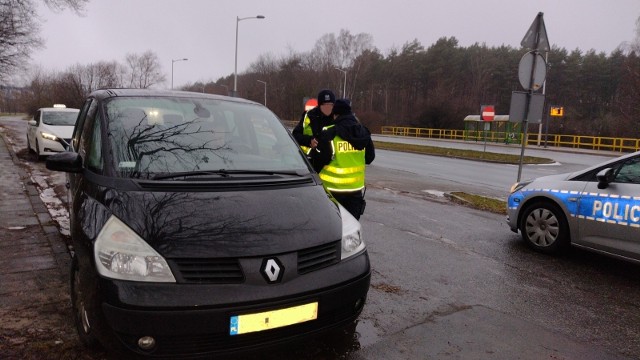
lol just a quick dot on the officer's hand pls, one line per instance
(313, 143)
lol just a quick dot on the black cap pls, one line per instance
(342, 107)
(326, 96)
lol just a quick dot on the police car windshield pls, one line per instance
(160, 136)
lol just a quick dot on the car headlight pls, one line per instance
(352, 241)
(519, 185)
(121, 254)
(48, 136)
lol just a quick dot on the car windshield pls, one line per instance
(154, 137)
(60, 118)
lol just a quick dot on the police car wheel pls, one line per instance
(544, 228)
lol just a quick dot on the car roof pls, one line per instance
(102, 94)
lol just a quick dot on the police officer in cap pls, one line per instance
(311, 123)
(344, 148)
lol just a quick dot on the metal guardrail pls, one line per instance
(553, 140)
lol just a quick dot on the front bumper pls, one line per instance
(189, 329)
(50, 147)
(513, 207)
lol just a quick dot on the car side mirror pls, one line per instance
(67, 161)
(605, 177)
(33, 123)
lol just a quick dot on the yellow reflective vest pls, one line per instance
(345, 172)
(306, 130)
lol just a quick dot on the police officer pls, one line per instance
(345, 147)
(311, 123)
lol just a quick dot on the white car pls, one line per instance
(50, 130)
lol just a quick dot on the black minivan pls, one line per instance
(199, 227)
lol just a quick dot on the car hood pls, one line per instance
(556, 177)
(229, 223)
(60, 131)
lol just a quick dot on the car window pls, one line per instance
(162, 135)
(59, 118)
(94, 151)
(36, 117)
(629, 172)
(88, 107)
(85, 130)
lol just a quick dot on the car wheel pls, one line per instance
(544, 228)
(29, 146)
(38, 156)
(81, 307)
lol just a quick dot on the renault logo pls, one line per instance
(272, 270)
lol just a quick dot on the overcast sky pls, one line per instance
(204, 30)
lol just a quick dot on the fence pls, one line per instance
(553, 140)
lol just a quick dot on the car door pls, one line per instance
(78, 143)
(609, 218)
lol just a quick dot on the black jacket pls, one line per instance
(318, 120)
(348, 128)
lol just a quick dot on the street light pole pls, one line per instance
(173, 61)
(265, 91)
(344, 87)
(235, 69)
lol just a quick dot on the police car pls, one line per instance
(597, 209)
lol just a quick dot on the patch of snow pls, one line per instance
(434, 192)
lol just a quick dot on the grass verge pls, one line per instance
(479, 202)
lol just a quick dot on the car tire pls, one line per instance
(38, 156)
(81, 305)
(29, 149)
(544, 228)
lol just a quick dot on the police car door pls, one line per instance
(609, 218)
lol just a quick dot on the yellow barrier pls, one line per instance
(553, 140)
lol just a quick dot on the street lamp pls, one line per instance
(344, 88)
(235, 70)
(173, 61)
(265, 91)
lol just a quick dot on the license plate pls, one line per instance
(248, 323)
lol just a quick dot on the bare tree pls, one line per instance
(18, 34)
(19, 29)
(59, 5)
(144, 70)
(100, 75)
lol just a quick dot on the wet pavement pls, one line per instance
(35, 318)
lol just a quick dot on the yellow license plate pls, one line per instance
(248, 323)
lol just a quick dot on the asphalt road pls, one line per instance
(455, 283)
(488, 179)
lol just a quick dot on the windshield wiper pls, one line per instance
(226, 173)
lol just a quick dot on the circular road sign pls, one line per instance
(310, 104)
(539, 73)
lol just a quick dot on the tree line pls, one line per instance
(414, 85)
(437, 86)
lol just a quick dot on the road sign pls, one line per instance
(310, 104)
(556, 111)
(528, 107)
(519, 104)
(536, 37)
(539, 73)
(487, 112)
